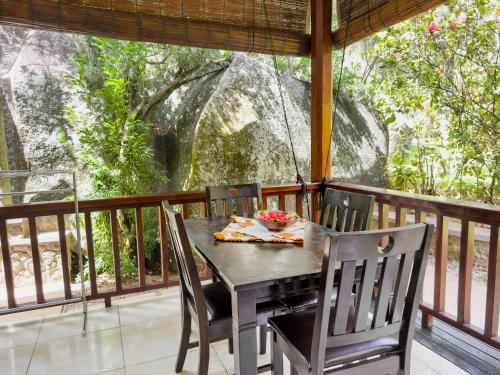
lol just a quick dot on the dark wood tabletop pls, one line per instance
(251, 264)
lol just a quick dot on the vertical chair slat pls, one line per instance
(163, 245)
(239, 206)
(493, 287)
(116, 250)
(219, 208)
(401, 216)
(282, 202)
(64, 256)
(465, 271)
(141, 259)
(441, 257)
(402, 278)
(7, 264)
(365, 294)
(344, 297)
(229, 207)
(350, 220)
(298, 203)
(35, 254)
(387, 278)
(90, 253)
(325, 215)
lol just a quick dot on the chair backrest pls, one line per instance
(402, 271)
(188, 273)
(344, 211)
(233, 199)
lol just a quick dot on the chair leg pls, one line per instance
(263, 339)
(230, 346)
(293, 371)
(204, 356)
(183, 345)
(276, 356)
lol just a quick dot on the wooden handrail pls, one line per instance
(476, 212)
(96, 205)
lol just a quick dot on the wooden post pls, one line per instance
(321, 88)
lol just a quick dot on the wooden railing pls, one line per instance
(283, 197)
(190, 203)
(468, 216)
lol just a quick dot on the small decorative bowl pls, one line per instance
(273, 220)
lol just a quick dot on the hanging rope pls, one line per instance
(299, 179)
(337, 91)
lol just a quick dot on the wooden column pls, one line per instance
(321, 88)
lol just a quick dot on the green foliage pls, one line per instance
(120, 83)
(440, 71)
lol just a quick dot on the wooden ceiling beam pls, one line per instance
(381, 18)
(64, 17)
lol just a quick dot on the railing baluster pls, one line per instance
(441, 262)
(465, 271)
(35, 254)
(401, 216)
(493, 288)
(419, 215)
(282, 202)
(7, 265)
(163, 245)
(90, 253)
(298, 203)
(140, 246)
(116, 250)
(383, 215)
(315, 206)
(185, 211)
(64, 256)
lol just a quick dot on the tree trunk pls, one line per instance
(4, 157)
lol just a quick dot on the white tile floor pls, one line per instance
(132, 338)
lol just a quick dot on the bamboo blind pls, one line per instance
(239, 25)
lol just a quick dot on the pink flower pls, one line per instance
(433, 28)
(462, 17)
(453, 25)
(441, 70)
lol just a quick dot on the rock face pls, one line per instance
(225, 128)
(34, 66)
(231, 129)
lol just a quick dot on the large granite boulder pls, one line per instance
(231, 129)
(34, 66)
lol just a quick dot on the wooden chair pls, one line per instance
(233, 199)
(208, 305)
(344, 212)
(373, 338)
(227, 200)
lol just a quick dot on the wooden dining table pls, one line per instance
(256, 272)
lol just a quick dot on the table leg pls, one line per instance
(244, 332)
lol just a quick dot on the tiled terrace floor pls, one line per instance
(138, 336)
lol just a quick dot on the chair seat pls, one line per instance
(304, 301)
(218, 301)
(297, 329)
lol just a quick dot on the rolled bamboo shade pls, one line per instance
(238, 25)
(369, 21)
